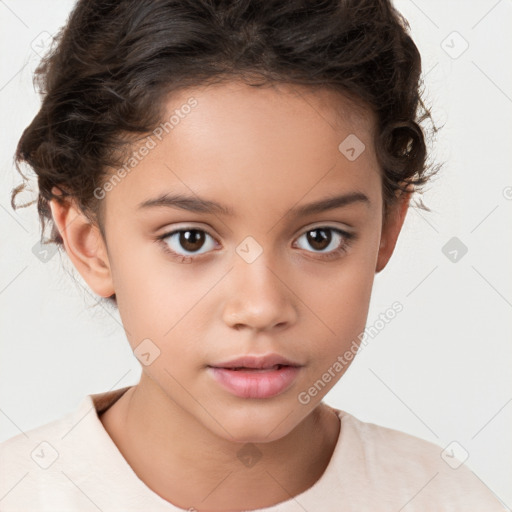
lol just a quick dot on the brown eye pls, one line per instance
(318, 238)
(191, 239)
(187, 241)
(327, 242)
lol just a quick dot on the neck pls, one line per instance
(188, 465)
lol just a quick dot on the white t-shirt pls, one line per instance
(72, 464)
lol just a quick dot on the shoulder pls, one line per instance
(408, 471)
(48, 468)
(34, 464)
(32, 446)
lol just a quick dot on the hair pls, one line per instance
(106, 79)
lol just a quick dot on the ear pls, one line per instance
(391, 227)
(84, 245)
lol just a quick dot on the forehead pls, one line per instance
(287, 113)
(273, 144)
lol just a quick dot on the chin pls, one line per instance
(242, 425)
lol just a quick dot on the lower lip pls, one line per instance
(255, 383)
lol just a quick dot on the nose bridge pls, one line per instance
(258, 295)
(260, 276)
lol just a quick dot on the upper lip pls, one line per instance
(256, 361)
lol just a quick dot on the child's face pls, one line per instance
(262, 153)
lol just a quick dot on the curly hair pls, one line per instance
(108, 74)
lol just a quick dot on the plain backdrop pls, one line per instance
(440, 370)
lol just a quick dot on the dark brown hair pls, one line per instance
(108, 75)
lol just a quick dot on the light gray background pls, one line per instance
(440, 370)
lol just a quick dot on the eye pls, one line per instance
(185, 243)
(321, 239)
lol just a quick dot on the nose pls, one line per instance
(260, 298)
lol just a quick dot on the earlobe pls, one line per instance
(84, 245)
(391, 229)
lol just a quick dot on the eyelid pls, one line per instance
(345, 228)
(183, 226)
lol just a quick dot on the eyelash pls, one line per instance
(348, 240)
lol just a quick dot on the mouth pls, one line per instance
(248, 362)
(254, 370)
(247, 382)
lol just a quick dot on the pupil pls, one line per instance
(191, 237)
(319, 239)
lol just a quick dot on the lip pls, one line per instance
(256, 361)
(255, 383)
(252, 376)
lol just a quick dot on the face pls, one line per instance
(260, 273)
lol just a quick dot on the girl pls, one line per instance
(230, 175)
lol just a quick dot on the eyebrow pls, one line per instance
(202, 205)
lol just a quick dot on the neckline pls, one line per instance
(98, 403)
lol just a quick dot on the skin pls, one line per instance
(261, 152)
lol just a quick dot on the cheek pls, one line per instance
(341, 300)
(162, 301)
(147, 295)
